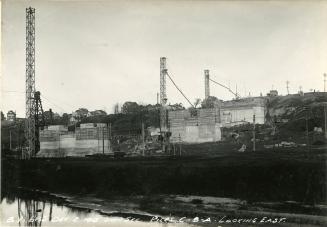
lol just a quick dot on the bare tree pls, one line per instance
(197, 102)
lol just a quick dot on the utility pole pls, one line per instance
(307, 126)
(98, 139)
(10, 146)
(325, 113)
(109, 135)
(180, 145)
(143, 139)
(287, 87)
(59, 144)
(103, 140)
(19, 139)
(253, 132)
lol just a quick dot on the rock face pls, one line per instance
(291, 108)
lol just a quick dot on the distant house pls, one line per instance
(11, 115)
(72, 119)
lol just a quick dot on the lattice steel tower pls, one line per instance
(30, 83)
(163, 95)
(206, 84)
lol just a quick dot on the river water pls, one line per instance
(38, 208)
(39, 212)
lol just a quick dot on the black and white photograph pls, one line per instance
(163, 113)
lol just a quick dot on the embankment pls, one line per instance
(261, 176)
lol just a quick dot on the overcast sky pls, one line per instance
(94, 54)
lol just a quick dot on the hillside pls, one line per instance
(290, 112)
(287, 119)
(286, 106)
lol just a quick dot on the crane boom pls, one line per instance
(234, 93)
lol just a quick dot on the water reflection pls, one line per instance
(31, 211)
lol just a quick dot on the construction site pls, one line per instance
(176, 126)
(208, 123)
(268, 151)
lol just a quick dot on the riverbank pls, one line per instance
(193, 210)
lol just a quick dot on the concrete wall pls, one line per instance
(232, 116)
(86, 141)
(202, 127)
(89, 147)
(57, 128)
(67, 144)
(242, 111)
(87, 125)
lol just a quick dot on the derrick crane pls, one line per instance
(206, 84)
(30, 83)
(164, 126)
(34, 112)
(163, 95)
(164, 133)
(39, 119)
